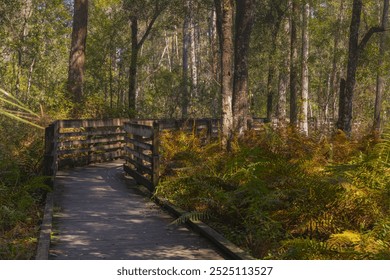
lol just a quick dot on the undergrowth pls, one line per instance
(22, 190)
(280, 195)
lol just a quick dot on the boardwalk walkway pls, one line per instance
(98, 215)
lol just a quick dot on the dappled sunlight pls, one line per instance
(99, 217)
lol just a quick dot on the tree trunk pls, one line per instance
(334, 76)
(346, 97)
(243, 26)
(186, 44)
(136, 46)
(225, 13)
(283, 80)
(193, 52)
(380, 83)
(77, 53)
(305, 71)
(270, 90)
(293, 67)
(214, 46)
(133, 65)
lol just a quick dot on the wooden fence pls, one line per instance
(81, 142)
(141, 151)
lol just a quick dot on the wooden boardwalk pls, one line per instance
(98, 215)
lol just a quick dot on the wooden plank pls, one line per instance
(140, 167)
(76, 161)
(91, 149)
(139, 129)
(91, 123)
(138, 154)
(92, 141)
(148, 122)
(145, 146)
(138, 177)
(49, 157)
(105, 156)
(91, 133)
(156, 154)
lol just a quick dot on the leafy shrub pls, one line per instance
(22, 190)
(281, 195)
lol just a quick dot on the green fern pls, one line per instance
(191, 216)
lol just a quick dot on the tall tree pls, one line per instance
(283, 76)
(347, 92)
(243, 29)
(193, 52)
(304, 104)
(136, 9)
(380, 83)
(334, 75)
(186, 46)
(77, 53)
(293, 65)
(225, 15)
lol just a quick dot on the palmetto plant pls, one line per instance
(13, 108)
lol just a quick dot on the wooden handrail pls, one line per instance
(81, 142)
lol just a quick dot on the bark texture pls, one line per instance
(380, 83)
(77, 52)
(293, 67)
(243, 27)
(225, 10)
(305, 71)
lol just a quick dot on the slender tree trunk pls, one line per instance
(380, 83)
(346, 97)
(226, 13)
(293, 67)
(30, 75)
(193, 52)
(77, 53)
(243, 25)
(186, 45)
(214, 45)
(270, 82)
(283, 79)
(136, 46)
(305, 71)
(334, 80)
(111, 77)
(25, 14)
(133, 65)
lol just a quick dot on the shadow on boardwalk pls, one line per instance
(98, 215)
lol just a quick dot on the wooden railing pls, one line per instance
(141, 152)
(81, 142)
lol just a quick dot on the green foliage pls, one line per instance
(22, 190)
(284, 196)
(194, 216)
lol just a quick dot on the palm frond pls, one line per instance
(194, 216)
(18, 105)
(12, 116)
(26, 115)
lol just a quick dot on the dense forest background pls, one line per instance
(308, 67)
(178, 62)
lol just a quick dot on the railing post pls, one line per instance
(156, 154)
(249, 122)
(209, 130)
(49, 157)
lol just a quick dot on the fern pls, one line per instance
(191, 216)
